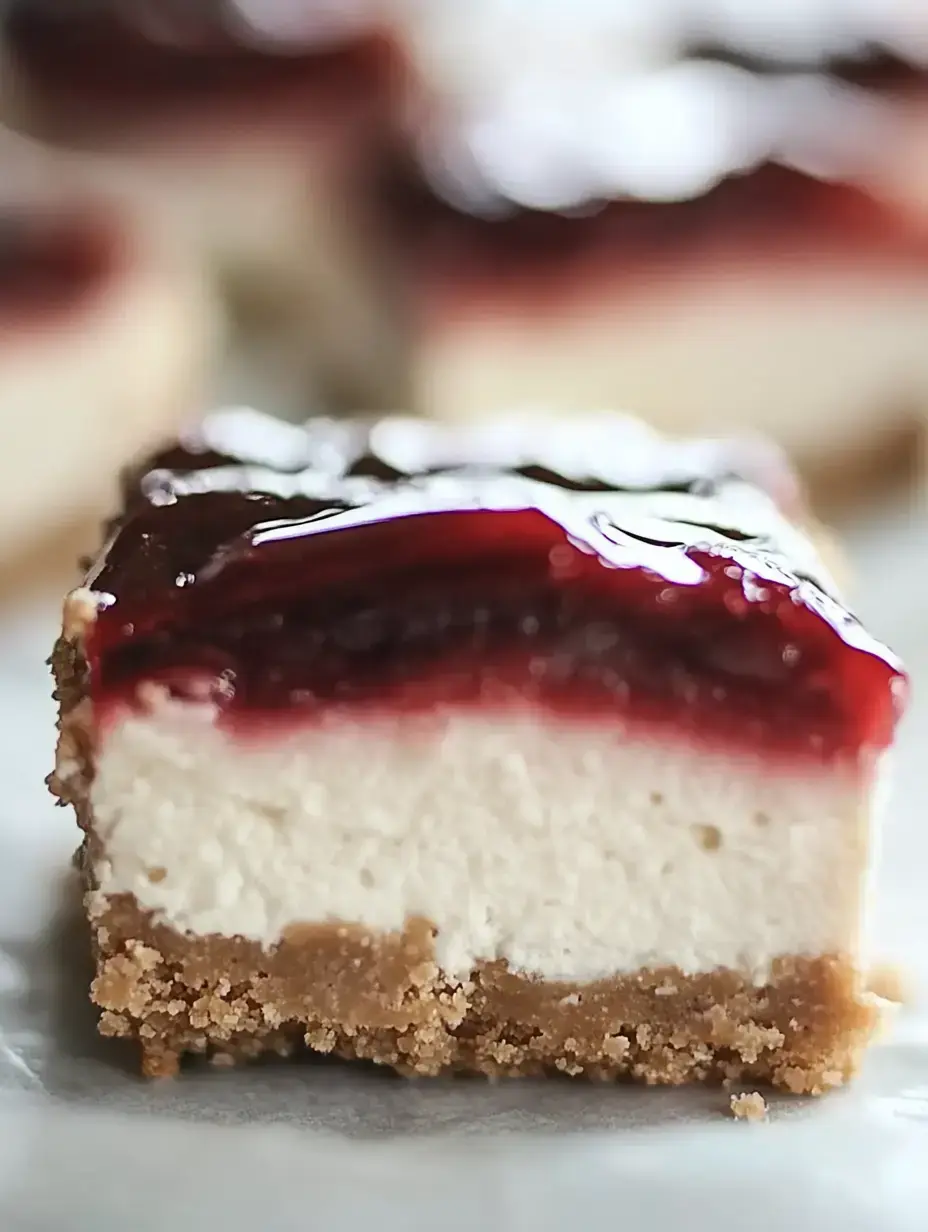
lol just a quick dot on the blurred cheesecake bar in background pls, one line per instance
(248, 136)
(107, 338)
(709, 244)
(717, 216)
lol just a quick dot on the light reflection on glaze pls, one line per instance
(256, 577)
(666, 134)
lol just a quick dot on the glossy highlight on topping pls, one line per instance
(402, 565)
(705, 159)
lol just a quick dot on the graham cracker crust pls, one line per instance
(338, 989)
(335, 988)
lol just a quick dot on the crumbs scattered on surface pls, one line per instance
(750, 1106)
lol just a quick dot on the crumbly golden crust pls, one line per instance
(336, 988)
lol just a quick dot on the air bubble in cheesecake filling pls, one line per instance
(708, 837)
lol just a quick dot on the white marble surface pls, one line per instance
(84, 1144)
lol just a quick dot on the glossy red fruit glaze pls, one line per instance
(289, 619)
(530, 189)
(755, 221)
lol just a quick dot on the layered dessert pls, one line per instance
(534, 747)
(107, 333)
(700, 226)
(247, 142)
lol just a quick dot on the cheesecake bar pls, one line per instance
(249, 145)
(523, 748)
(695, 226)
(108, 331)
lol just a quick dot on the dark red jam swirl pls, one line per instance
(481, 588)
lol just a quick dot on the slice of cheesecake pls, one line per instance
(519, 748)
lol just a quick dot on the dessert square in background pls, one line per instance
(249, 144)
(110, 331)
(712, 214)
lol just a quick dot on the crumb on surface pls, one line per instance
(750, 1106)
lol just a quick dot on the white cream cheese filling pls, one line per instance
(565, 847)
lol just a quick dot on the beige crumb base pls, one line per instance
(337, 989)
